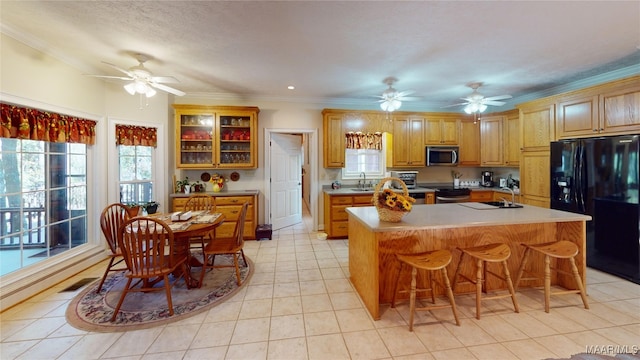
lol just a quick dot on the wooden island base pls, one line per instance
(373, 244)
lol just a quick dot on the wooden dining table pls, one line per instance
(201, 223)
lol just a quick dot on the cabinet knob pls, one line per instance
(595, 130)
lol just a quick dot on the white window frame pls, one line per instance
(159, 162)
(363, 153)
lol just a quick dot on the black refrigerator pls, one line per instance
(599, 177)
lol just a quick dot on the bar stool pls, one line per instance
(491, 253)
(559, 250)
(430, 261)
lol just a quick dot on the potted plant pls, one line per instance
(151, 207)
(133, 209)
(197, 186)
(181, 184)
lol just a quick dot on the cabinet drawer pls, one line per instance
(340, 229)
(362, 200)
(481, 196)
(233, 200)
(341, 200)
(178, 204)
(339, 212)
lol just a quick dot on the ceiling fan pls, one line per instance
(141, 80)
(391, 99)
(476, 102)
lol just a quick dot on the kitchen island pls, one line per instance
(373, 243)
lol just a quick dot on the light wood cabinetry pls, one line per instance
(608, 109)
(537, 121)
(481, 195)
(578, 116)
(334, 141)
(336, 223)
(512, 139)
(430, 198)
(408, 141)
(620, 108)
(491, 140)
(469, 150)
(230, 207)
(216, 137)
(337, 123)
(535, 179)
(441, 129)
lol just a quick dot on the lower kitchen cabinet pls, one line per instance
(483, 195)
(229, 206)
(336, 219)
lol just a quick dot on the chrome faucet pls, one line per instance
(513, 197)
(363, 185)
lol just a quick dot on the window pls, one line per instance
(136, 173)
(43, 200)
(371, 162)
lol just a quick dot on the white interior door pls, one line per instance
(286, 180)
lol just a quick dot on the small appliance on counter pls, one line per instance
(486, 179)
(409, 177)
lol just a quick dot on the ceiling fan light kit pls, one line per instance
(477, 103)
(141, 81)
(391, 99)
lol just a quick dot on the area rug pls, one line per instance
(92, 312)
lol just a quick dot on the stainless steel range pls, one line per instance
(450, 194)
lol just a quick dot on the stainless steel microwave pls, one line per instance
(442, 156)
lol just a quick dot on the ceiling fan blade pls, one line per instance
(405, 93)
(167, 89)
(409, 98)
(119, 69)
(110, 77)
(459, 104)
(499, 97)
(164, 79)
(492, 102)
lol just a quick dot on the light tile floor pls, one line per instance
(300, 305)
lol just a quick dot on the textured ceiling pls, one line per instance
(337, 53)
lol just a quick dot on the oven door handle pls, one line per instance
(453, 198)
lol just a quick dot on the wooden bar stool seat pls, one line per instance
(491, 253)
(430, 261)
(559, 250)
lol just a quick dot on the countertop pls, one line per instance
(459, 215)
(422, 188)
(220, 193)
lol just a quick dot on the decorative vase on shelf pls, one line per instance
(456, 182)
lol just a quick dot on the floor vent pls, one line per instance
(80, 283)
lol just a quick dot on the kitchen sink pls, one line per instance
(361, 190)
(500, 204)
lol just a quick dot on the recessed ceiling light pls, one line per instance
(291, 87)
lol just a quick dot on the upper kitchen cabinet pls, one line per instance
(612, 108)
(491, 140)
(337, 123)
(216, 137)
(537, 119)
(469, 143)
(512, 139)
(441, 129)
(408, 141)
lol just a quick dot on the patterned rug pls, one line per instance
(92, 312)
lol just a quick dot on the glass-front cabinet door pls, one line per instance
(209, 137)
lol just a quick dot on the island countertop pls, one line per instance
(461, 215)
(373, 244)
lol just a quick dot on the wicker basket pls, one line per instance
(384, 213)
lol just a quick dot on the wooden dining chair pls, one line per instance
(199, 202)
(111, 218)
(147, 247)
(233, 246)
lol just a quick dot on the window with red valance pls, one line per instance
(136, 135)
(19, 122)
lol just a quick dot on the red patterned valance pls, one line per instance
(136, 135)
(25, 123)
(358, 140)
